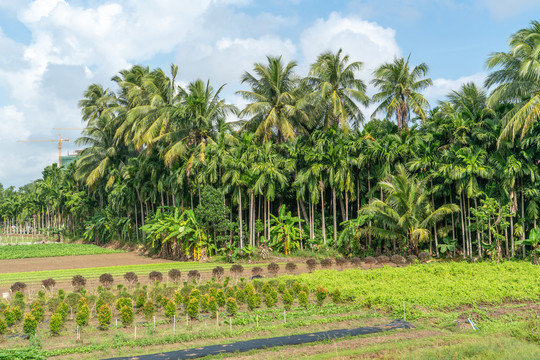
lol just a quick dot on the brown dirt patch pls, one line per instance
(75, 262)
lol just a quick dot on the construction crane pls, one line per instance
(60, 140)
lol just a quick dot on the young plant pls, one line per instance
(126, 315)
(148, 310)
(56, 324)
(104, 316)
(321, 294)
(192, 308)
(232, 306)
(287, 299)
(30, 324)
(303, 299)
(83, 313)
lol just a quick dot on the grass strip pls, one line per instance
(8, 252)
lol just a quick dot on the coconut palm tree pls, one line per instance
(399, 90)
(518, 81)
(337, 89)
(273, 111)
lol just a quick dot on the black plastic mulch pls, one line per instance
(242, 346)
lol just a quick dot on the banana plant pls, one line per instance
(285, 232)
(534, 242)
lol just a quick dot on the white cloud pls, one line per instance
(442, 87)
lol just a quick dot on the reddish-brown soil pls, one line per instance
(75, 262)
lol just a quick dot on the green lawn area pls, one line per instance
(50, 250)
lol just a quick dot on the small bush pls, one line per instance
(290, 267)
(30, 324)
(326, 263)
(311, 264)
(155, 276)
(303, 299)
(270, 297)
(241, 296)
(120, 303)
(72, 299)
(212, 305)
(126, 315)
(192, 308)
(18, 286)
(131, 278)
(3, 327)
(169, 309)
(256, 271)
(37, 311)
(194, 275)
(320, 294)
(397, 259)
(287, 299)
(10, 317)
(49, 284)
(18, 300)
(411, 259)
(355, 261)
(83, 313)
(341, 262)
(62, 310)
(383, 259)
(148, 310)
(218, 272)
(174, 275)
(370, 260)
(220, 297)
(78, 282)
(336, 296)
(254, 301)
(56, 324)
(273, 268)
(232, 306)
(424, 256)
(237, 269)
(17, 313)
(106, 280)
(104, 316)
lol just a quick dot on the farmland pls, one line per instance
(438, 297)
(51, 250)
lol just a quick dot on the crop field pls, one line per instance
(121, 319)
(18, 239)
(51, 250)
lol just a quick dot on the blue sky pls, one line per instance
(51, 50)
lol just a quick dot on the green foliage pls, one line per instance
(170, 309)
(192, 308)
(37, 311)
(126, 315)
(303, 299)
(30, 324)
(254, 301)
(9, 316)
(285, 234)
(270, 297)
(336, 296)
(320, 294)
(287, 299)
(241, 296)
(120, 303)
(220, 297)
(3, 327)
(232, 306)
(104, 316)
(51, 250)
(62, 310)
(141, 299)
(17, 313)
(148, 310)
(72, 299)
(83, 313)
(56, 324)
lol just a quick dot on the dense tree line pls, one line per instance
(300, 166)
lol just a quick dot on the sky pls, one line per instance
(52, 50)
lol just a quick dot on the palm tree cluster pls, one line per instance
(454, 179)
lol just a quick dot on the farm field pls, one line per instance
(8, 252)
(504, 305)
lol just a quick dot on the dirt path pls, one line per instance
(75, 262)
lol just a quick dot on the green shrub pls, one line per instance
(303, 299)
(18, 300)
(3, 306)
(230, 292)
(17, 313)
(120, 303)
(104, 316)
(195, 293)
(148, 310)
(205, 302)
(232, 306)
(61, 294)
(72, 299)
(220, 297)
(30, 324)
(287, 299)
(9, 316)
(193, 308)
(241, 296)
(336, 296)
(141, 299)
(254, 301)
(320, 294)
(83, 313)
(37, 311)
(212, 305)
(126, 315)
(270, 298)
(62, 310)
(3, 327)
(170, 309)
(178, 297)
(52, 304)
(56, 324)
(281, 287)
(249, 289)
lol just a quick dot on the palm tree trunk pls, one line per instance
(523, 219)
(322, 214)
(469, 223)
(240, 217)
(299, 221)
(512, 245)
(335, 216)
(477, 232)
(463, 233)
(251, 220)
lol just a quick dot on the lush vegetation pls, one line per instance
(220, 311)
(165, 167)
(51, 250)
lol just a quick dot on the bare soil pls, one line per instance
(75, 262)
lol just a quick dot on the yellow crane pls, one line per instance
(60, 140)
